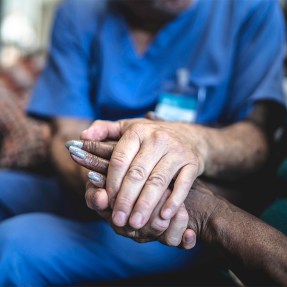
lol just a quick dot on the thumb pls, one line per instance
(102, 130)
(108, 130)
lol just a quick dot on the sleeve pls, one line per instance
(258, 66)
(63, 88)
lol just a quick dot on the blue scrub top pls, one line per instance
(233, 49)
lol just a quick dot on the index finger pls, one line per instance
(100, 149)
(88, 160)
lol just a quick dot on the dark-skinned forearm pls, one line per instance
(249, 242)
(70, 174)
(237, 234)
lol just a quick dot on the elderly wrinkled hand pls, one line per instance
(95, 157)
(148, 157)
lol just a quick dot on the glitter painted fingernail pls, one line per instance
(94, 176)
(77, 152)
(74, 143)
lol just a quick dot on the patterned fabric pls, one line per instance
(24, 141)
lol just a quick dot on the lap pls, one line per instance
(45, 249)
(22, 192)
(50, 250)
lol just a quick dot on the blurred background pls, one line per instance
(25, 27)
(24, 36)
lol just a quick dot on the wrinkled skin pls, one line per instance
(259, 248)
(173, 232)
(148, 156)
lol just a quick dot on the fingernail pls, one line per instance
(136, 220)
(167, 213)
(94, 176)
(75, 143)
(77, 152)
(189, 241)
(119, 218)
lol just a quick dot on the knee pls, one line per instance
(22, 252)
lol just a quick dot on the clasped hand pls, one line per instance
(131, 186)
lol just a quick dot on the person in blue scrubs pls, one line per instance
(112, 60)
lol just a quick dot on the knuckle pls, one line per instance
(173, 241)
(181, 215)
(112, 192)
(175, 206)
(194, 161)
(136, 131)
(145, 204)
(137, 173)
(90, 146)
(91, 198)
(119, 160)
(186, 182)
(180, 147)
(159, 225)
(160, 136)
(137, 127)
(124, 202)
(196, 165)
(157, 180)
(92, 161)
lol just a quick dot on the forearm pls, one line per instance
(227, 153)
(243, 148)
(249, 242)
(70, 174)
(234, 151)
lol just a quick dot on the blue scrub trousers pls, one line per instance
(39, 246)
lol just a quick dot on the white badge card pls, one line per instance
(176, 107)
(178, 100)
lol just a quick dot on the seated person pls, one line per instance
(23, 140)
(112, 60)
(254, 248)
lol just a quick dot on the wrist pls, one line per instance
(202, 145)
(204, 209)
(197, 137)
(217, 224)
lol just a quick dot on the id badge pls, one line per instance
(179, 99)
(176, 107)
